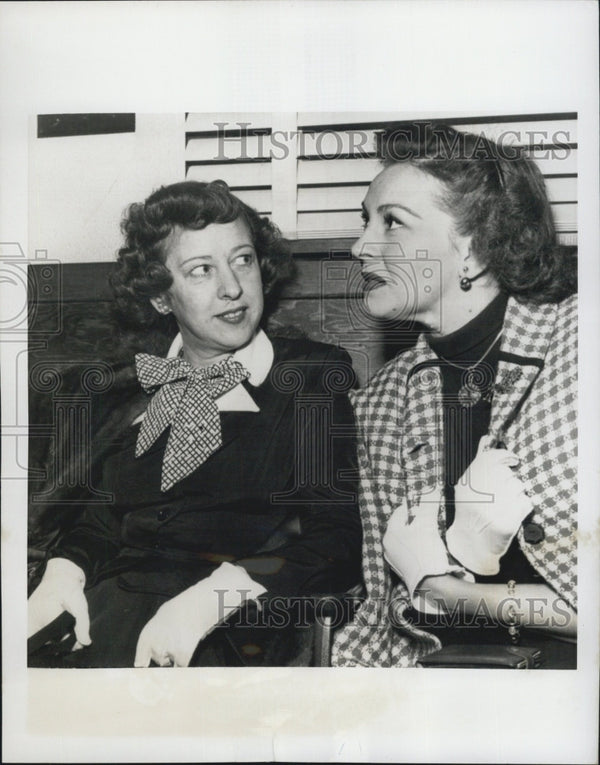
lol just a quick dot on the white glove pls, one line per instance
(484, 526)
(415, 549)
(61, 589)
(173, 633)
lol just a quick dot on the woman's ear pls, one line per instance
(161, 304)
(468, 262)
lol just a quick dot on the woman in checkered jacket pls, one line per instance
(467, 441)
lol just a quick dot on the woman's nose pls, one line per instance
(356, 247)
(359, 246)
(365, 247)
(229, 286)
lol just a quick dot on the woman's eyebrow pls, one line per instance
(196, 257)
(389, 206)
(210, 257)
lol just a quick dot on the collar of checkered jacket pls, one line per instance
(534, 412)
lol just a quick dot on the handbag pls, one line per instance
(483, 657)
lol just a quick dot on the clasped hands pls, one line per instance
(490, 505)
(171, 635)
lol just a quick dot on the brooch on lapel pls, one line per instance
(474, 390)
(508, 380)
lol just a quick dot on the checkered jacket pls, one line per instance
(534, 412)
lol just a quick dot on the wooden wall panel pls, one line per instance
(81, 282)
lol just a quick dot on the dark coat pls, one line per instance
(279, 496)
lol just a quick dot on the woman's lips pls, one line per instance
(372, 280)
(235, 316)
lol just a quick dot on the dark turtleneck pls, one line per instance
(465, 420)
(467, 396)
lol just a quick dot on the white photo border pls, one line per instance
(497, 57)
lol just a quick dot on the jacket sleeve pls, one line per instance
(93, 539)
(323, 554)
(92, 542)
(80, 523)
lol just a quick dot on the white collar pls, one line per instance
(257, 357)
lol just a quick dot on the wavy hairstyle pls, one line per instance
(497, 196)
(141, 273)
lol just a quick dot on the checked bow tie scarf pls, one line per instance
(184, 398)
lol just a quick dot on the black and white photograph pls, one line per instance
(301, 434)
(422, 359)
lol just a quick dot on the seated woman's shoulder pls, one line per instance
(566, 322)
(385, 382)
(304, 348)
(569, 305)
(325, 366)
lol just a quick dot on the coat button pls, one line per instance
(162, 515)
(533, 533)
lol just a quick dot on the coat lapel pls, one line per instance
(421, 450)
(527, 333)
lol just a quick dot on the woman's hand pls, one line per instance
(415, 550)
(484, 526)
(61, 589)
(171, 636)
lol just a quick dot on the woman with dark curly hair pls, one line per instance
(141, 272)
(467, 442)
(213, 506)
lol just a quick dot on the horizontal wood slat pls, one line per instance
(552, 161)
(207, 121)
(260, 199)
(321, 120)
(337, 171)
(360, 141)
(243, 174)
(214, 148)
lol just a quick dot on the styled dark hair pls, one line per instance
(497, 196)
(141, 273)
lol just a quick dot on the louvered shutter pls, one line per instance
(310, 172)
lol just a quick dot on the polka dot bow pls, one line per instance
(184, 399)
